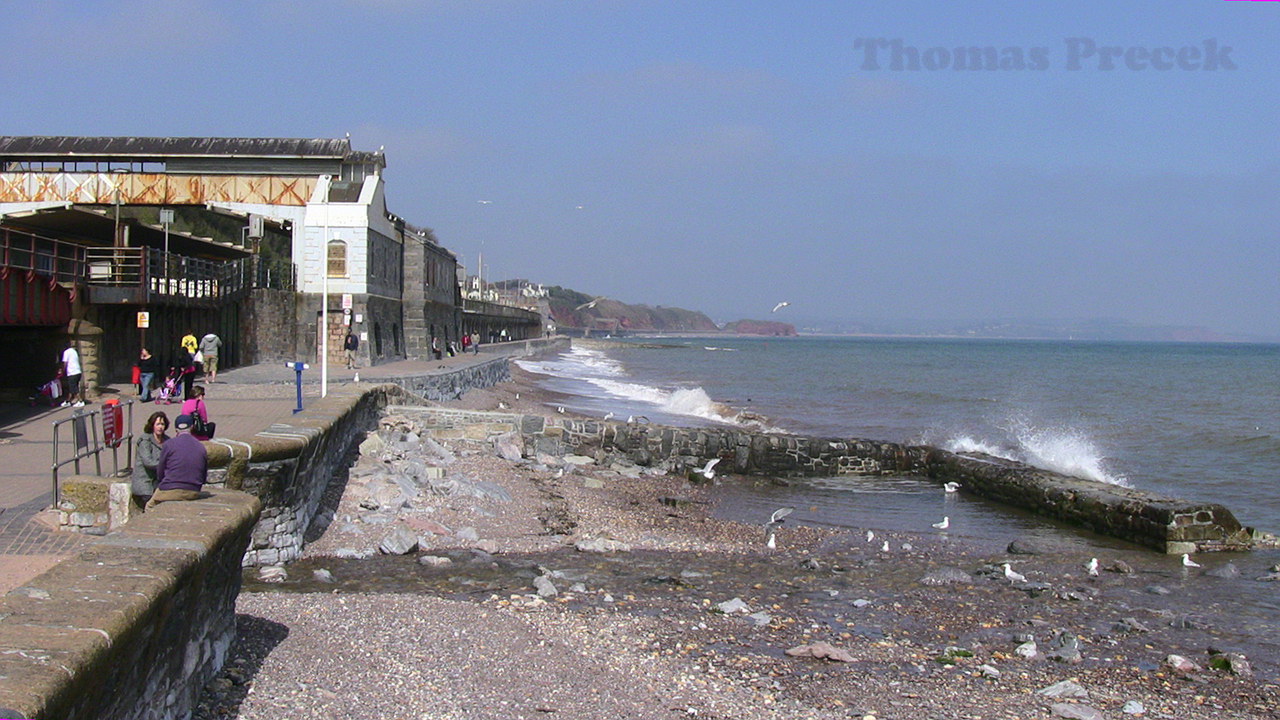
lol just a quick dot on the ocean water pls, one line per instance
(1198, 421)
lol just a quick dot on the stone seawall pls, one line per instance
(134, 626)
(1166, 524)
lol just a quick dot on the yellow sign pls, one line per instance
(144, 319)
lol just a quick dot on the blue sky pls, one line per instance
(728, 155)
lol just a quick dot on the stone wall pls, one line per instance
(268, 327)
(1167, 524)
(134, 626)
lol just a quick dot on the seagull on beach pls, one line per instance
(779, 306)
(1013, 576)
(560, 409)
(708, 473)
(774, 521)
(870, 536)
(1092, 567)
(946, 523)
(1188, 562)
(951, 487)
(885, 546)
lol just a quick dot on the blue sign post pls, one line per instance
(298, 367)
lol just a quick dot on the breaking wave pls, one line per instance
(1062, 450)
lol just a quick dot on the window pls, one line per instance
(337, 258)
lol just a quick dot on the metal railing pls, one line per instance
(56, 259)
(87, 442)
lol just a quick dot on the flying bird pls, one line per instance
(590, 304)
(1092, 566)
(608, 415)
(779, 306)
(774, 521)
(485, 202)
(951, 487)
(1188, 562)
(708, 473)
(946, 523)
(1013, 576)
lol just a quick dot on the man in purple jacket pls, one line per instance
(183, 468)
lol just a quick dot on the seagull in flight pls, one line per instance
(708, 472)
(1013, 576)
(946, 523)
(485, 202)
(951, 487)
(1188, 562)
(608, 415)
(1092, 567)
(770, 527)
(590, 304)
(779, 306)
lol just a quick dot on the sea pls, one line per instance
(1196, 421)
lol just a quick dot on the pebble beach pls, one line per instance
(574, 587)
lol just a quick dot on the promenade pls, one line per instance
(243, 402)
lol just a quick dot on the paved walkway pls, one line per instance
(243, 402)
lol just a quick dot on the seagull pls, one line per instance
(708, 473)
(1013, 576)
(885, 546)
(608, 415)
(1188, 562)
(870, 536)
(946, 523)
(485, 202)
(779, 306)
(951, 487)
(1092, 566)
(560, 409)
(590, 304)
(774, 520)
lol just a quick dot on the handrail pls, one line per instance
(85, 426)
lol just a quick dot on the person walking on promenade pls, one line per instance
(475, 342)
(183, 466)
(71, 375)
(209, 345)
(146, 457)
(350, 344)
(186, 368)
(435, 347)
(148, 367)
(466, 342)
(201, 428)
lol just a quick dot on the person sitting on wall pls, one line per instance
(183, 466)
(147, 457)
(201, 428)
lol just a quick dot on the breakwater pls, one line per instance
(1170, 525)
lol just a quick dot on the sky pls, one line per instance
(725, 156)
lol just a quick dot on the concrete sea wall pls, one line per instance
(1166, 524)
(134, 626)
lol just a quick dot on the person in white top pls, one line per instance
(71, 374)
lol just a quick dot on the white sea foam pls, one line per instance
(1060, 449)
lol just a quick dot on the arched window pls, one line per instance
(337, 259)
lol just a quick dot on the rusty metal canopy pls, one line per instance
(161, 148)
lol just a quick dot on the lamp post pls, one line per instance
(324, 296)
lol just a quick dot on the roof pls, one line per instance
(94, 226)
(159, 148)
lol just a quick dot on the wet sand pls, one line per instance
(639, 632)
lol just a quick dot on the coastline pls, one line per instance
(644, 623)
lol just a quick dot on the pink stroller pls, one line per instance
(48, 393)
(171, 390)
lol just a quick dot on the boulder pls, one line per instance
(400, 541)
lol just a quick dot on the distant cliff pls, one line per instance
(572, 309)
(761, 327)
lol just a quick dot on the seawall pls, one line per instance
(1170, 525)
